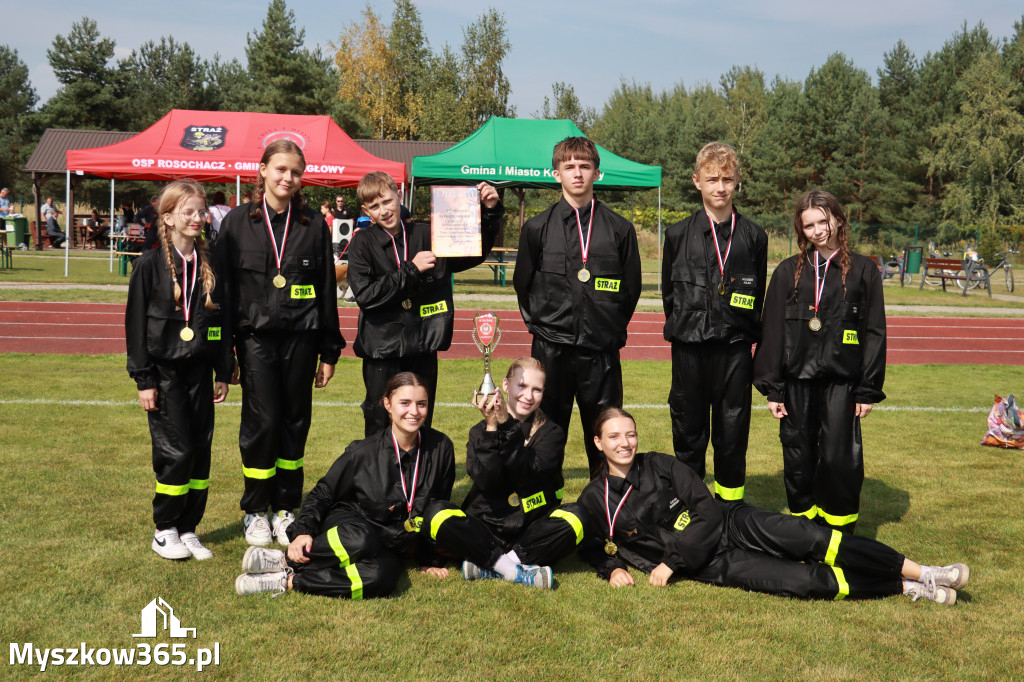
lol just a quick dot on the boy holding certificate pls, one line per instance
(404, 292)
(577, 277)
(713, 283)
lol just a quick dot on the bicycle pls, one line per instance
(1006, 266)
(893, 267)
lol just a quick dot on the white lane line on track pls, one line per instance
(332, 403)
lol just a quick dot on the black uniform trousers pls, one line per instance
(277, 372)
(764, 551)
(182, 431)
(712, 380)
(376, 374)
(592, 377)
(348, 560)
(822, 456)
(543, 542)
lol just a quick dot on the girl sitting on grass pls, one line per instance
(652, 512)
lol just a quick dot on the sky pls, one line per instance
(594, 46)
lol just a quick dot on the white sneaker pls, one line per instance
(279, 526)
(263, 560)
(257, 529)
(195, 547)
(255, 583)
(167, 544)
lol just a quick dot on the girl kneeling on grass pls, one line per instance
(174, 323)
(367, 512)
(651, 511)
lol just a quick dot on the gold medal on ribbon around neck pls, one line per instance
(407, 304)
(583, 275)
(721, 288)
(186, 334)
(610, 548)
(815, 324)
(513, 500)
(279, 281)
(410, 527)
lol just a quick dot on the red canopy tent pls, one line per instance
(226, 146)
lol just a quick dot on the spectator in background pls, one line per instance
(146, 217)
(340, 212)
(218, 209)
(53, 231)
(5, 203)
(328, 214)
(97, 232)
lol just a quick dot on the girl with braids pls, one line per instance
(174, 326)
(821, 362)
(283, 300)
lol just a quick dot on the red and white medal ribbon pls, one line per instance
(405, 247)
(608, 511)
(718, 249)
(819, 285)
(585, 247)
(186, 294)
(401, 475)
(278, 255)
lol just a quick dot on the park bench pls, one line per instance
(960, 271)
(498, 260)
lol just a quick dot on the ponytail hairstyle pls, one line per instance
(169, 200)
(831, 207)
(398, 381)
(519, 364)
(298, 200)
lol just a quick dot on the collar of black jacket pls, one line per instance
(565, 211)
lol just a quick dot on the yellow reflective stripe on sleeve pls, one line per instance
(440, 517)
(833, 548)
(730, 494)
(357, 583)
(810, 513)
(199, 484)
(290, 464)
(572, 520)
(844, 587)
(164, 489)
(560, 493)
(261, 474)
(838, 520)
(339, 549)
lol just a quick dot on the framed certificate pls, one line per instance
(455, 221)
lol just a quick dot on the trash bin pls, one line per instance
(17, 231)
(912, 258)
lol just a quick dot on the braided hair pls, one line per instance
(298, 200)
(170, 199)
(830, 206)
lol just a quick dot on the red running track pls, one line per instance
(91, 328)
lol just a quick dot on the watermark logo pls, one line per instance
(160, 612)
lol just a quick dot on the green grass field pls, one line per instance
(75, 452)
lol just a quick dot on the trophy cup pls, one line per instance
(486, 335)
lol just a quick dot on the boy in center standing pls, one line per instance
(713, 282)
(577, 278)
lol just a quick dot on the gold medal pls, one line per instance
(279, 281)
(187, 334)
(513, 500)
(583, 275)
(610, 547)
(407, 304)
(410, 527)
(721, 288)
(815, 324)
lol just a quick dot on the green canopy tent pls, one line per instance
(516, 153)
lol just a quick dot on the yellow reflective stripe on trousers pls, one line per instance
(729, 494)
(164, 489)
(199, 484)
(440, 517)
(838, 520)
(356, 590)
(844, 587)
(810, 513)
(290, 464)
(339, 549)
(572, 520)
(261, 474)
(833, 548)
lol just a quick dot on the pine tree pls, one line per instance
(19, 98)
(91, 92)
(164, 76)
